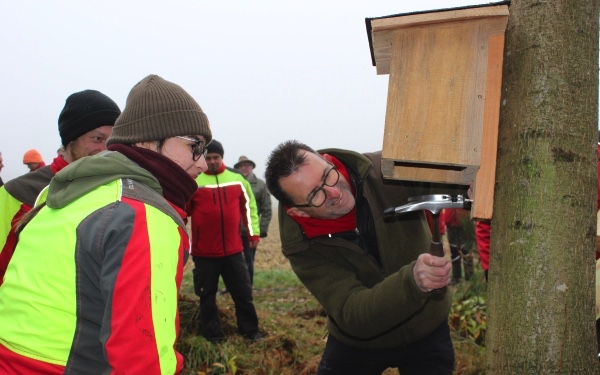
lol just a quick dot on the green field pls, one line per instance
(293, 327)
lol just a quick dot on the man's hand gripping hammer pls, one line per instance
(435, 204)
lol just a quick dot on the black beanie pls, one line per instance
(85, 111)
(157, 109)
(215, 147)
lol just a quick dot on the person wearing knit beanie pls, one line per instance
(157, 109)
(117, 224)
(33, 160)
(84, 111)
(215, 147)
(85, 123)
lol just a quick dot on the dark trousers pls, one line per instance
(432, 355)
(598, 336)
(235, 275)
(249, 254)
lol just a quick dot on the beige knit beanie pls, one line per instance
(157, 109)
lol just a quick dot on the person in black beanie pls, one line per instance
(84, 124)
(215, 147)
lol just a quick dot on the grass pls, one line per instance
(293, 327)
(293, 324)
(468, 324)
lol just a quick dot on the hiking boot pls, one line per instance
(253, 336)
(215, 340)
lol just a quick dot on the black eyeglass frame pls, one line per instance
(198, 149)
(320, 188)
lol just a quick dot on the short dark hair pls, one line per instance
(284, 160)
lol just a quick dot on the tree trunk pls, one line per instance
(541, 277)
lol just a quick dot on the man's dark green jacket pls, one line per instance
(370, 303)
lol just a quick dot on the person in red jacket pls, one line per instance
(222, 202)
(482, 238)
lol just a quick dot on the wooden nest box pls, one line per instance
(443, 104)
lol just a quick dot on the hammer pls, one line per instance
(435, 204)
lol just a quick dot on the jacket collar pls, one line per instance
(221, 169)
(358, 163)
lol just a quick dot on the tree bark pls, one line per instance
(541, 317)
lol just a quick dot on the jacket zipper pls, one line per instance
(222, 216)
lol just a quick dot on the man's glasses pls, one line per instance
(198, 148)
(319, 196)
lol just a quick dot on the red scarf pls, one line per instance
(178, 187)
(313, 227)
(58, 163)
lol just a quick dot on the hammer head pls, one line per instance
(434, 203)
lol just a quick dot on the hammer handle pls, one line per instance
(436, 238)
(436, 247)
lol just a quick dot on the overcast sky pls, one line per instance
(263, 71)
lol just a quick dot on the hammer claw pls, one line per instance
(434, 203)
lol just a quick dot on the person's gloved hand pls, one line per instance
(263, 234)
